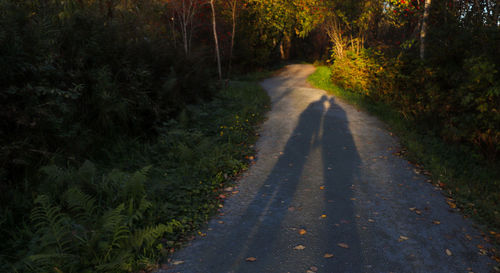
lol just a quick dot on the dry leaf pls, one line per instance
(299, 247)
(251, 259)
(343, 245)
(402, 238)
(451, 204)
(322, 187)
(448, 252)
(371, 220)
(291, 208)
(328, 255)
(302, 231)
(323, 216)
(177, 262)
(436, 222)
(314, 269)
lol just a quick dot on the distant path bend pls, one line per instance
(326, 183)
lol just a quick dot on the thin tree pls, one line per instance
(185, 11)
(216, 40)
(233, 4)
(423, 30)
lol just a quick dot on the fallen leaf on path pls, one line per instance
(371, 220)
(451, 203)
(436, 222)
(343, 245)
(402, 238)
(448, 252)
(251, 259)
(328, 255)
(299, 247)
(468, 237)
(323, 216)
(177, 262)
(353, 199)
(228, 189)
(302, 231)
(314, 269)
(291, 208)
(322, 187)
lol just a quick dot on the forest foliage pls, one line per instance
(116, 135)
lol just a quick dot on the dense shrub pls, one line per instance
(115, 215)
(460, 105)
(80, 84)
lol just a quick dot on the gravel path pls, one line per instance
(326, 183)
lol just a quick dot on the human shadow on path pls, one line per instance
(310, 179)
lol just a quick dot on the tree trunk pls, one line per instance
(233, 33)
(216, 40)
(285, 46)
(423, 30)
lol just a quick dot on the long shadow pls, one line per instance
(264, 216)
(341, 163)
(292, 197)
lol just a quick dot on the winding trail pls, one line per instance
(329, 169)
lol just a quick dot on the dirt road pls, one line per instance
(327, 195)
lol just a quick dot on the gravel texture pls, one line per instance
(327, 169)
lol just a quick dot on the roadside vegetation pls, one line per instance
(471, 182)
(121, 120)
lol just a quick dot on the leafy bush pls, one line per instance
(462, 110)
(96, 218)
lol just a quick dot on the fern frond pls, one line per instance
(114, 224)
(82, 205)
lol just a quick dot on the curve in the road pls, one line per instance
(326, 183)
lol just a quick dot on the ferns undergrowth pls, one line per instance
(127, 209)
